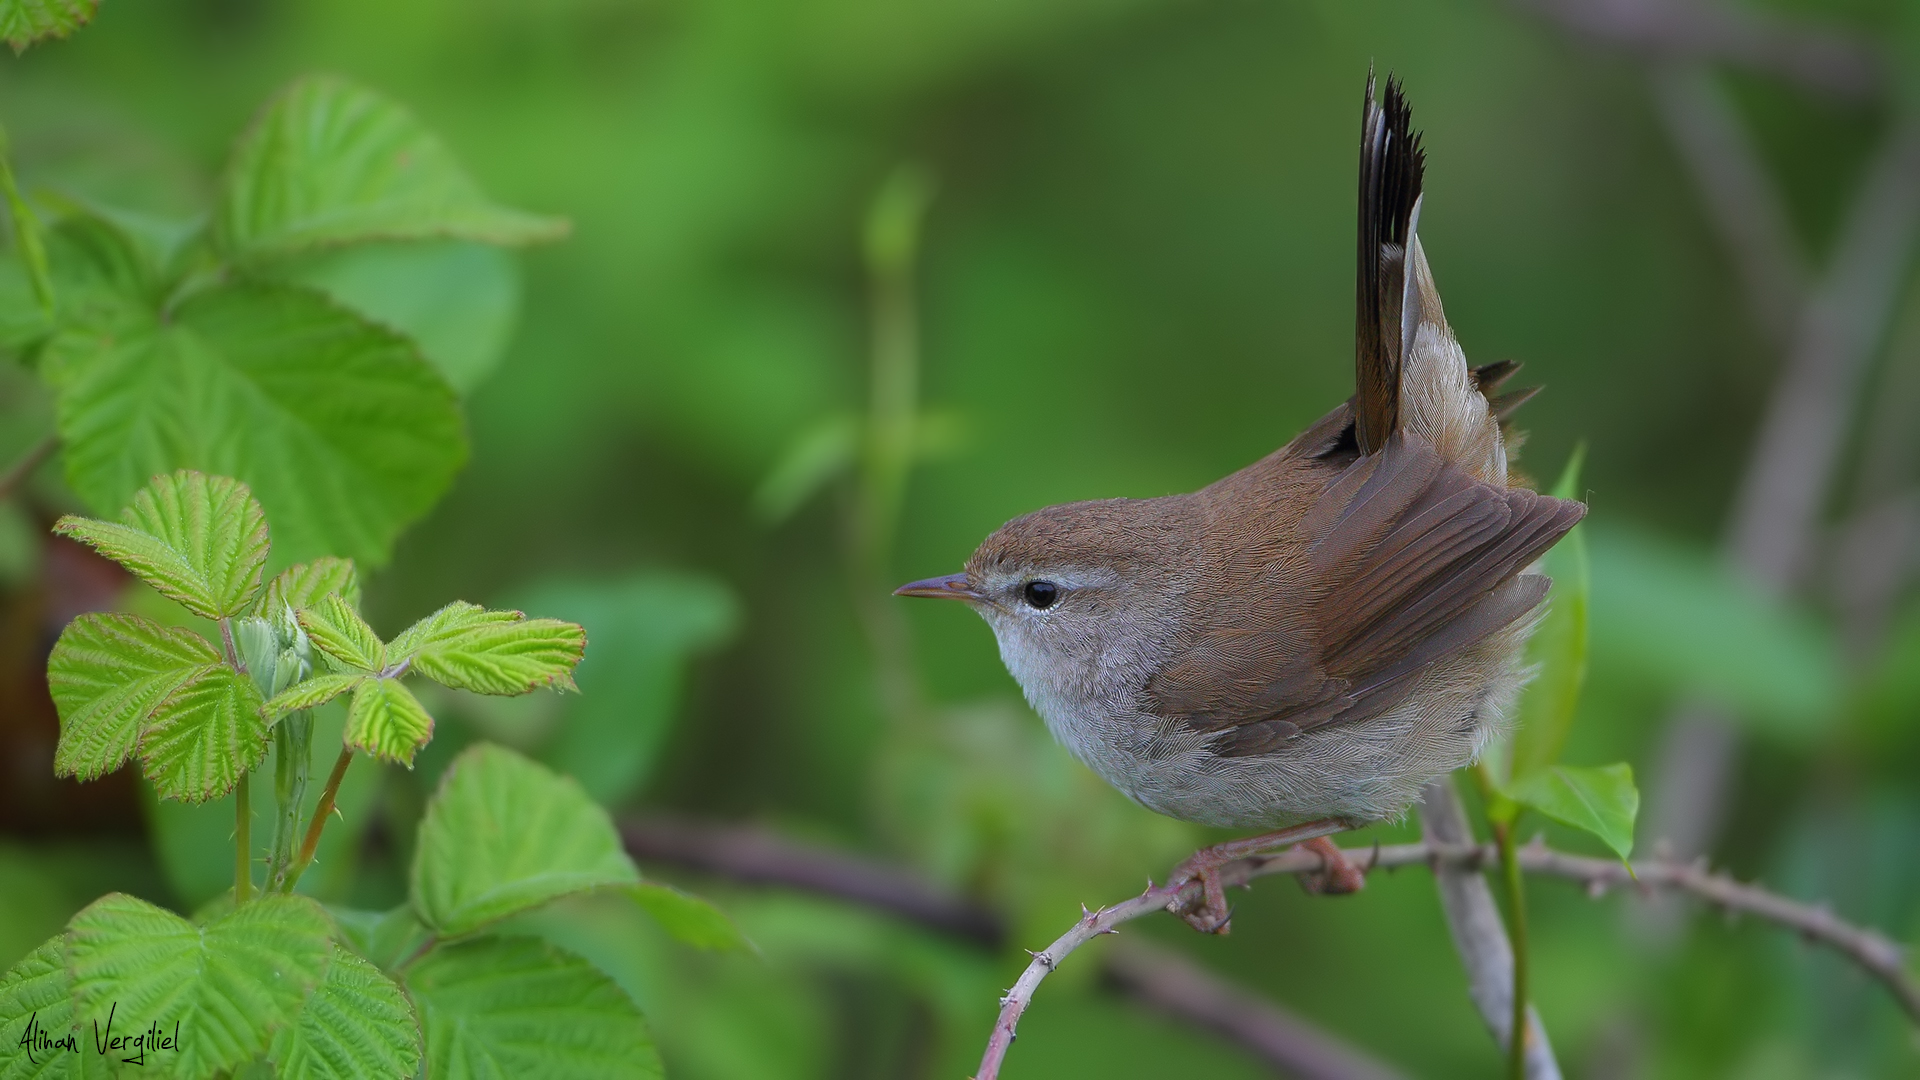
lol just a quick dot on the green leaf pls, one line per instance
(503, 835)
(38, 991)
(328, 162)
(458, 300)
(503, 1007)
(23, 22)
(645, 630)
(357, 1024)
(386, 938)
(197, 539)
(306, 584)
(1603, 800)
(387, 721)
(229, 984)
(491, 652)
(1558, 649)
(108, 674)
(338, 630)
(311, 694)
(1678, 620)
(821, 453)
(343, 432)
(691, 919)
(204, 736)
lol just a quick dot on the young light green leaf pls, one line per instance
(503, 835)
(457, 299)
(204, 736)
(304, 585)
(197, 539)
(343, 431)
(357, 1024)
(338, 630)
(328, 162)
(23, 22)
(1558, 649)
(502, 1007)
(311, 694)
(229, 984)
(387, 721)
(690, 919)
(1603, 800)
(108, 674)
(37, 991)
(491, 652)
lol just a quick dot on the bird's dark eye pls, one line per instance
(1041, 594)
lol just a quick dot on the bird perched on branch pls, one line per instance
(1304, 644)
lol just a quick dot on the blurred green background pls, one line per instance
(1135, 276)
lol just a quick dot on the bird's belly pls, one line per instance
(1363, 771)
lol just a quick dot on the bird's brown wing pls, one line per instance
(1415, 561)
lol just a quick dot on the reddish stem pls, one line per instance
(321, 813)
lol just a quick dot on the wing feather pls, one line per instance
(1418, 561)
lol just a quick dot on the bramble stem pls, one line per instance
(1517, 930)
(242, 842)
(293, 759)
(21, 470)
(320, 814)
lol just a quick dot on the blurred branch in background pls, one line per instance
(760, 857)
(1168, 982)
(1746, 207)
(1816, 56)
(1830, 328)
(20, 471)
(1478, 934)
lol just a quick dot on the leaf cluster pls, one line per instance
(196, 714)
(317, 993)
(279, 982)
(246, 344)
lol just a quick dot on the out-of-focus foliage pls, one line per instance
(1134, 275)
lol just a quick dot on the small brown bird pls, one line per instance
(1307, 642)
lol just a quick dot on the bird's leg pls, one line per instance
(1212, 915)
(1337, 875)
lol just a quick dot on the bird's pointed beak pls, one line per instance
(950, 587)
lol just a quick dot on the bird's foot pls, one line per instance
(1209, 913)
(1337, 875)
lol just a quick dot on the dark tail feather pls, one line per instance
(1489, 378)
(1391, 167)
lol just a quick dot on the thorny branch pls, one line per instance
(763, 857)
(1876, 954)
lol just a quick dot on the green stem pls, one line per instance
(320, 814)
(1517, 929)
(242, 842)
(26, 233)
(293, 758)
